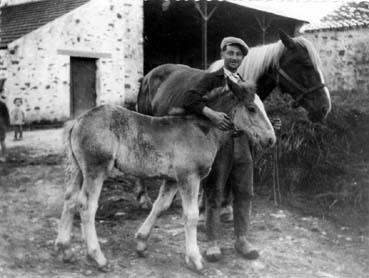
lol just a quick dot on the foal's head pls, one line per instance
(245, 109)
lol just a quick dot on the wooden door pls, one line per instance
(83, 85)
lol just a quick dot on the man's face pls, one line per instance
(232, 57)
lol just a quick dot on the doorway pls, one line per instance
(83, 85)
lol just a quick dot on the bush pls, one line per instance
(326, 162)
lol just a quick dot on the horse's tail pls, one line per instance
(144, 96)
(4, 113)
(73, 174)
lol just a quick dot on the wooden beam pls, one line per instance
(85, 54)
(205, 18)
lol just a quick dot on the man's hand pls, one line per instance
(219, 119)
(277, 123)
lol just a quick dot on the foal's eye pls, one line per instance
(251, 109)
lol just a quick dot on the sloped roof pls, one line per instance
(277, 7)
(348, 15)
(301, 10)
(18, 20)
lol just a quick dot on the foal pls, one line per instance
(180, 150)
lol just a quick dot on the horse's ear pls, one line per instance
(287, 41)
(235, 88)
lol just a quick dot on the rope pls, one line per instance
(276, 188)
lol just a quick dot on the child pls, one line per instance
(4, 123)
(18, 119)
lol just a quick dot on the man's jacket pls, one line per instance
(193, 101)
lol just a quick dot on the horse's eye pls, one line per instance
(308, 66)
(251, 109)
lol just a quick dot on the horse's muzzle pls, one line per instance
(268, 142)
(271, 142)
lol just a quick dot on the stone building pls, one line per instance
(62, 62)
(65, 56)
(342, 39)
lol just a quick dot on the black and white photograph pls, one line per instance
(184, 138)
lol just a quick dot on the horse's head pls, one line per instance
(246, 111)
(299, 75)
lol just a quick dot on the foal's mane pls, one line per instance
(224, 98)
(261, 58)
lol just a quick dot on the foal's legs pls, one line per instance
(62, 242)
(189, 190)
(88, 201)
(167, 191)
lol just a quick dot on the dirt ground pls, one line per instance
(292, 244)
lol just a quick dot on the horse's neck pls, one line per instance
(265, 84)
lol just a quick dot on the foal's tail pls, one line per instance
(73, 174)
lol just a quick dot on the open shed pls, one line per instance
(173, 29)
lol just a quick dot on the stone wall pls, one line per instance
(133, 47)
(345, 63)
(36, 71)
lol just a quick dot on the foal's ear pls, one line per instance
(287, 41)
(235, 88)
(248, 89)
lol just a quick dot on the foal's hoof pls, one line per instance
(202, 217)
(65, 254)
(108, 267)
(105, 267)
(213, 254)
(141, 249)
(227, 218)
(196, 264)
(226, 214)
(146, 206)
(145, 203)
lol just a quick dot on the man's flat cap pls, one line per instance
(233, 40)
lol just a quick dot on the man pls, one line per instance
(233, 163)
(233, 50)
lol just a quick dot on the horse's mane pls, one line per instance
(260, 58)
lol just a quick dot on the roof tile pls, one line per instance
(348, 15)
(18, 20)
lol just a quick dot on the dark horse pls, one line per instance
(291, 64)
